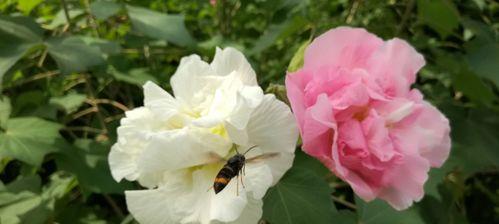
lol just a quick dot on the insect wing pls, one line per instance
(261, 157)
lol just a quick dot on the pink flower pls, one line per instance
(359, 116)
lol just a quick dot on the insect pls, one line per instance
(234, 168)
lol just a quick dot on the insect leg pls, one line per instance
(242, 180)
(237, 188)
(209, 189)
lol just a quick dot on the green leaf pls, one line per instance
(278, 31)
(475, 139)
(5, 109)
(60, 18)
(24, 202)
(160, 26)
(465, 80)
(28, 139)
(14, 205)
(70, 102)
(136, 76)
(301, 196)
(441, 15)
(18, 198)
(24, 28)
(107, 47)
(379, 212)
(297, 60)
(484, 61)
(104, 9)
(72, 54)
(26, 6)
(17, 36)
(88, 161)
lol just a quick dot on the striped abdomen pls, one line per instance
(223, 178)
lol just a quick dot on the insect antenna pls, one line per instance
(252, 147)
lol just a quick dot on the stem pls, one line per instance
(352, 11)
(99, 114)
(110, 102)
(114, 206)
(66, 12)
(405, 17)
(343, 202)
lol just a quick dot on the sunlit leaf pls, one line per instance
(27, 5)
(70, 102)
(28, 139)
(160, 26)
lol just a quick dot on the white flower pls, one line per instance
(168, 145)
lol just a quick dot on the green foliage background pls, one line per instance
(70, 68)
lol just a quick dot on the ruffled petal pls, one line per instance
(159, 101)
(122, 164)
(405, 182)
(181, 148)
(395, 65)
(344, 46)
(191, 83)
(425, 132)
(229, 60)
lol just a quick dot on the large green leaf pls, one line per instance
(160, 26)
(18, 198)
(72, 54)
(24, 201)
(301, 196)
(24, 28)
(17, 36)
(484, 61)
(475, 139)
(88, 161)
(28, 139)
(104, 9)
(440, 15)
(379, 212)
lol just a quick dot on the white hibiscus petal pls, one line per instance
(188, 79)
(122, 164)
(181, 148)
(252, 212)
(257, 178)
(272, 126)
(159, 101)
(157, 206)
(229, 60)
(248, 98)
